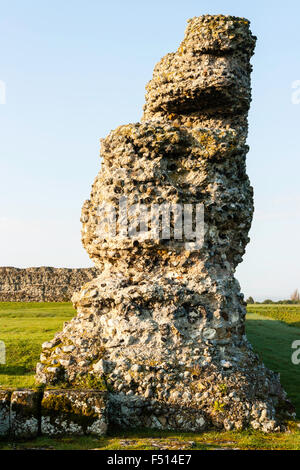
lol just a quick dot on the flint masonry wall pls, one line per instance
(44, 284)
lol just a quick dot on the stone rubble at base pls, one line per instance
(162, 326)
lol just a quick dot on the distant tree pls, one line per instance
(250, 300)
(268, 301)
(295, 296)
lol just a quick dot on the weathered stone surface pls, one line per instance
(24, 413)
(164, 325)
(75, 412)
(4, 412)
(131, 411)
(43, 284)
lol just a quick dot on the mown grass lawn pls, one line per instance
(272, 339)
(144, 439)
(25, 326)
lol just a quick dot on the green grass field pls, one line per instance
(289, 314)
(23, 328)
(155, 440)
(270, 328)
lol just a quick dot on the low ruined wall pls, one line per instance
(45, 284)
(28, 413)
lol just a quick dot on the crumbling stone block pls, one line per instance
(74, 412)
(24, 413)
(4, 412)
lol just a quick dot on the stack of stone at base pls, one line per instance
(28, 413)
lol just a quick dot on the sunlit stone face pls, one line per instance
(185, 83)
(163, 325)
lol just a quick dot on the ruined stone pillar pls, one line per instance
(163, 326)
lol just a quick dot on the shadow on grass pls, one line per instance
(14, 370)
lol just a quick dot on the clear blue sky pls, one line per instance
(74, 70)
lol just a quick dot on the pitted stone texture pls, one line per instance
(133, 412)
(163, 325)
(4, 412)
(74, 412)
(176, 166)
(208, 75)
(218, 34)
(24, 409)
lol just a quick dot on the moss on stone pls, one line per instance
(73, 408)
(91, 382)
